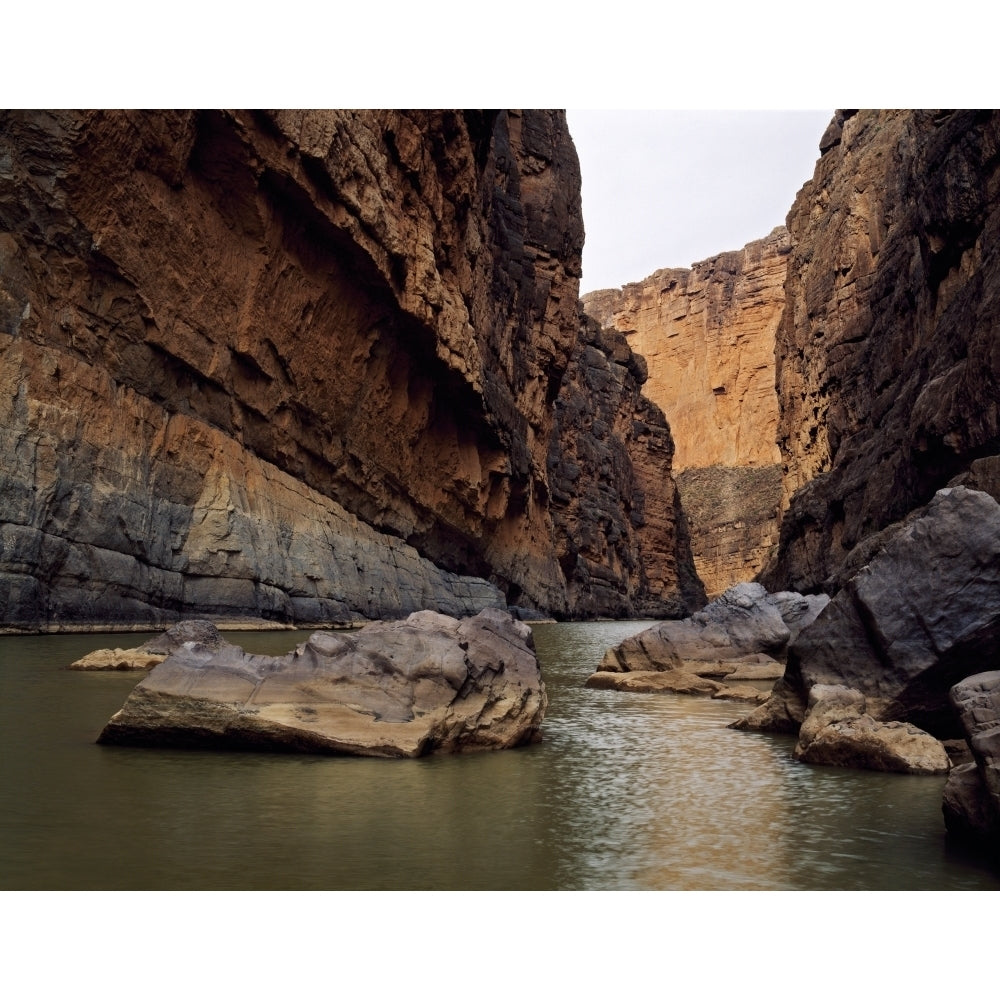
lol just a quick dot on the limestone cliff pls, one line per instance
(887, 361)
(707, 334)
(292, 364)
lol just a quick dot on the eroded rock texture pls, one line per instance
(972, 795)
(707, 335)
(428, 684)
(292, 364)
(920, 616)
(624, 547)
(740, 636)
(888, 363)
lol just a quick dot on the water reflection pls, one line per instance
(626, 791)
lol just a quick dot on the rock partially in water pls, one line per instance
(839, 731)
(674, 682)
(745, 624)
(972, 795)
(740, 636)
(118, 659)
(154, 650)
(922, 614)
(428, 684)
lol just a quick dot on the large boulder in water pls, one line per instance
(839, 731)
(427, 684)
(741, 635)
(921, 615)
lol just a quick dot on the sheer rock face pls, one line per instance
(624, 548)
(888, 363)
(707, 335)
(285, 363)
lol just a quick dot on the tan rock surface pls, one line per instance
(242, 351)
(118, 659)
(707, 336)
(428, 684)
(838, 730)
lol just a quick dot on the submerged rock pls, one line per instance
(428, 684)
(740, 636)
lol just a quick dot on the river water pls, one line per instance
(626, 791)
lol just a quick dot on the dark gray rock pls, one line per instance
(972, 795)
(744, 622)
(741, 635)
(923, 614)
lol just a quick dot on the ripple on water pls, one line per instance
(626, 791)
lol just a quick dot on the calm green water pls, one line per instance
(625, 792)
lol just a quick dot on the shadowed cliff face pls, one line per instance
(888, 364)
(243, 351)
(624, 545)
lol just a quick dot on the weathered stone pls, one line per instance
(154, 650)
(732, 516)
(707, 337)
(745, 620)
(924, 613)
(969, 811)
(886, 360)
(623, 543)
(741, 692)
(293, 365)
(838, 730)
(706, 334)
(653, 682)
(118, 659)
(972, 795)
(429, 684)
(736, 637)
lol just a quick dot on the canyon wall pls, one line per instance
(888, 361)
(299, 365)
(624, 543)
(707, 334)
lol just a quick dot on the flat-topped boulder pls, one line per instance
(426, 684)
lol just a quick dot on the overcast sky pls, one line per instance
(669, 188)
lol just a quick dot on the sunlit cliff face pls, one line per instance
(380, 306)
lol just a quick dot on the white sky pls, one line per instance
(669, 188)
